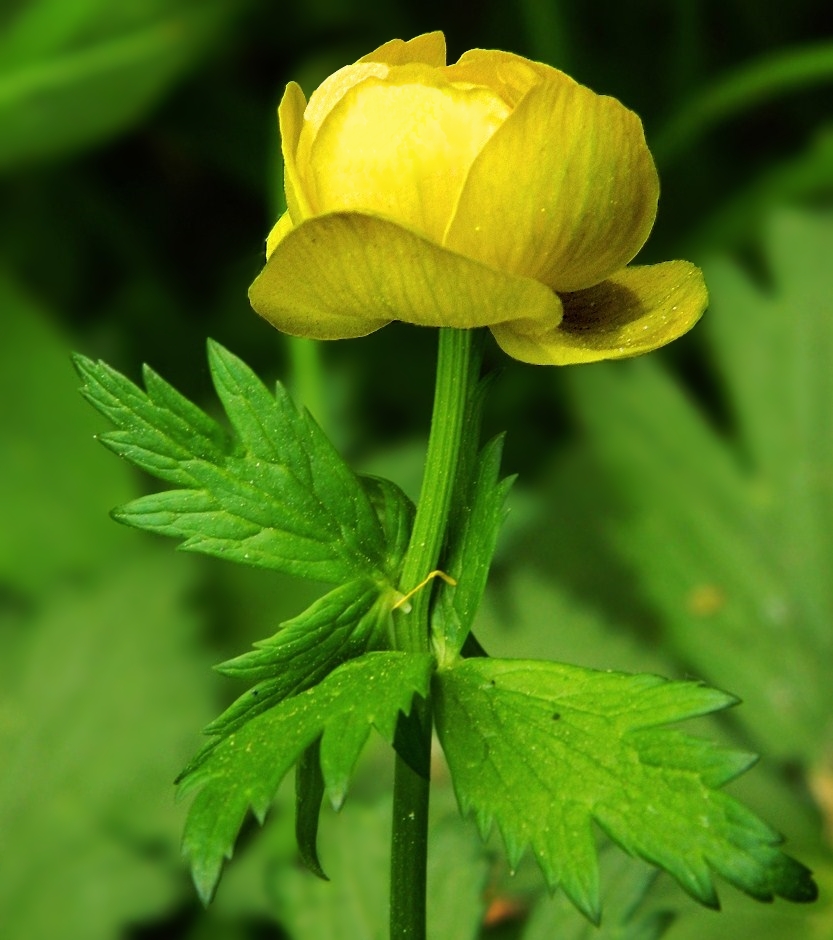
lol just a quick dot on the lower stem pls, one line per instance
(456, 373)
(409, 841)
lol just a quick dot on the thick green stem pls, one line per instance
(451, 393)
(456, 373)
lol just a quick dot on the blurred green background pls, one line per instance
(673, 514)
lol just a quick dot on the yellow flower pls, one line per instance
(494, 192)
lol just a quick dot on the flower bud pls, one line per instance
(493, 192)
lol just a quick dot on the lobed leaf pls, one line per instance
(245, 768)
(351, 620)
(544, 749)
(631, 912)
(274, 493)
(731, 537)
(474, 535)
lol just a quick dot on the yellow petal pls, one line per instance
(401, 147)
(327, 96)
(429, 48)
(348, 274)
(634, 311)
(512, 76)
(279, 231)
(565, 191)
(291, 121)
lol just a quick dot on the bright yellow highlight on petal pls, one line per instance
(400, 148)
(494, 192)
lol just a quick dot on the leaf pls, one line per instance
(106, 683)
(72, 74)
(309, 794)
(473, 540)
(356, 848)
(732, 544)
(273, 494)
(629, 914)
(52, 524)
(544, 750)
(351, 620)
(353, 905)
(781, 390)
(245, 769)
(396, 513)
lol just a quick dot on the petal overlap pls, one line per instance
(495, 192)
(375, 271)
(401, 147)
(587, 198)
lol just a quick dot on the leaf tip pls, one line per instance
(796, 882)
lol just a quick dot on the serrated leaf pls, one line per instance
(628, 915)
(350, 620)
(733, 543)
(473, 537)
(273, 494)
(544, 750)
(244, 770)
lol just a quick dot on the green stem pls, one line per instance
(457, 370)
(451, 393)
(307, 377)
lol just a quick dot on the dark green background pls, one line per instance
(672, 515)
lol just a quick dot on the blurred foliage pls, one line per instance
(673, 514)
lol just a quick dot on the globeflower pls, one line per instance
(493, 192)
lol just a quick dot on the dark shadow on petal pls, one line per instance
(606, 308)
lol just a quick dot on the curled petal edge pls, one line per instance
(634, 311)
(428, 48)
(347, 274)
(291, 122)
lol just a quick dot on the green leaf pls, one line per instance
(473, 539)
(74, 73)
(52, 521)
(273, 494)
(245, 769)
(629, 912)
(781, 390)
(732, 544)
(396, 513)
(98, 701)
(309, 794)
(350, 620)
(544, 750)
(353, 906)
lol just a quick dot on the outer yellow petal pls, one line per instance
(401, 147)
(278, 233)
(429, 48)
(291, 121)
(348, 274)
(634, 311)
(565, 191)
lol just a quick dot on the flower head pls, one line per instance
(493, 192)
